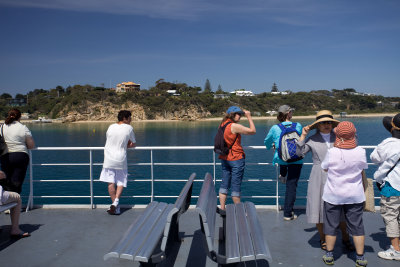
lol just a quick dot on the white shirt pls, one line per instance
(344, 182)
(118, 136)
(327, 138)
(386, 154)
(15, 135)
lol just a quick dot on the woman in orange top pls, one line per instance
(233, 164)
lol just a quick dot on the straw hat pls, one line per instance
(345, 135)
(324, 115)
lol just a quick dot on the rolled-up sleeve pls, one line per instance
(302, 148)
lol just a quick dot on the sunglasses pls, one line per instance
(325, 122)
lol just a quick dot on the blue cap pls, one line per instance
(234, 109)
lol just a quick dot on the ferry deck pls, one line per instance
(81, 237)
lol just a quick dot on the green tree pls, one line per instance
(5, 96)
(219, 90)
(274, 88)
(207, 87)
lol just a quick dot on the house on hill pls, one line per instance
(127, 87)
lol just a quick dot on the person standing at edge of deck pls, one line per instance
(318, 144)
(387, 155)
(233, 164)
(120, 137)
(19, 140)
(289, 171)
(344, 191)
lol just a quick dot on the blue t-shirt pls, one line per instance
(273, 138)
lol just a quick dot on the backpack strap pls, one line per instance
(281, 126)
(230, 148)
(391, 169)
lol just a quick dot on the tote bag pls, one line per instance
(369, 204)
(3, 145)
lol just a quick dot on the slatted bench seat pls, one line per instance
(241, 231)
(153, 231)
(7, 206)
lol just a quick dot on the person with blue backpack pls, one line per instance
(283, 138)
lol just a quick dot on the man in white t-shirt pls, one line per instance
(120, 137)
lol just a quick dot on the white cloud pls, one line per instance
(182, 9)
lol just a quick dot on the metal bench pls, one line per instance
(241, 231)
(159, 223)
(7, 206)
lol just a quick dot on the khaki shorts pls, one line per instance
(390, 211)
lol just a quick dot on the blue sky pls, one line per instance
(301, 45)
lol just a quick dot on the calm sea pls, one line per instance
(369, 131)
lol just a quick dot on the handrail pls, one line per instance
(152, 164)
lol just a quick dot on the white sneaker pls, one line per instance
(292, 218)
(282, 179)
(389, 254)
(117, 211)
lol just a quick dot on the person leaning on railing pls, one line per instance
(233, 164)
(120, 137)
(318, 144)
(387, 176)
(289, 171)
(9, 197)
(18, 139)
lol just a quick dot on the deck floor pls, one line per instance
(80, 237)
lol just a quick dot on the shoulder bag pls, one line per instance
(369, 204)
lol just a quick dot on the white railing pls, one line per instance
(152, 164)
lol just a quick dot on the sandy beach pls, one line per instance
(337, 116)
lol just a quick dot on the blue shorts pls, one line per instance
(232, 175)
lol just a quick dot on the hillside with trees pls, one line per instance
(157, 103)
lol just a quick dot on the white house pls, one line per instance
(173, 92)
(243, 93)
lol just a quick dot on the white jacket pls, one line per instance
(386, 154)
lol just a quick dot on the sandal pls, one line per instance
(348, 245)
(20, 235)
(323, 244)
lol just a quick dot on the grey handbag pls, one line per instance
(3, 145)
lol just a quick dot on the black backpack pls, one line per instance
(220, 146)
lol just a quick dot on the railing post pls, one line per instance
(152, 175)
(214, 163)
(91, 177)
(277, 187)
(30, 198)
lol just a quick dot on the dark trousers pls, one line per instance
(14, 166)
(293, 175)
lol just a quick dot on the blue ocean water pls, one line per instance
(369, 131)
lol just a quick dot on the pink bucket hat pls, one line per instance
(345, 135)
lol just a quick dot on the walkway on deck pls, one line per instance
(80, 237)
